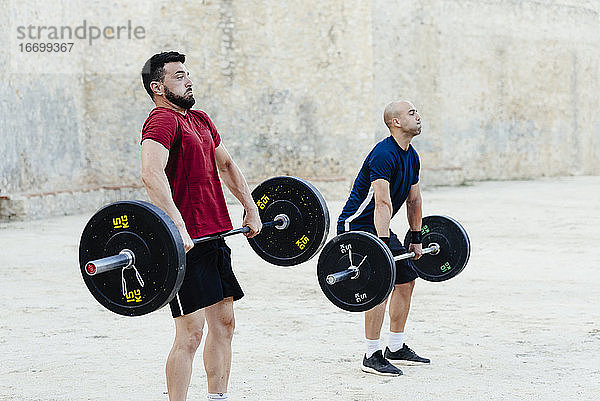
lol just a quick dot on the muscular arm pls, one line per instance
(154, 160)
(235, 181)
(414, 213)
(383, 207)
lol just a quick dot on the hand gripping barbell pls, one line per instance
(357, 271)
(132, 257)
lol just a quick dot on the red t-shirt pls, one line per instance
(191, 168)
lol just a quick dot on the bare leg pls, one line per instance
(188, 334)
(400, 305)
(217, 349)
(374, 321)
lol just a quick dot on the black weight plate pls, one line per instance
(455, 248)
(159, 256)
(377, 273)
(309, 221)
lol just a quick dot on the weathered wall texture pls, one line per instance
(506, 89)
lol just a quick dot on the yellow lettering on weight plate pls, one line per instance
(134, 296)
(262, 202)
(121, 222)
(301, 243)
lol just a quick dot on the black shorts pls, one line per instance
(208, 278)
(405, 269)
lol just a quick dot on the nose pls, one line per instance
(189, 83)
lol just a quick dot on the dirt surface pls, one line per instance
(521, 322)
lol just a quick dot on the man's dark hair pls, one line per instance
(154, 69)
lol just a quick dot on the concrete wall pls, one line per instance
(506, 89)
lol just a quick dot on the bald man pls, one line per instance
(389, 177)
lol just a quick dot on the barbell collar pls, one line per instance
(284, 221)
(123, 259)
(350, 273)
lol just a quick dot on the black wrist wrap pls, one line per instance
(415, 237)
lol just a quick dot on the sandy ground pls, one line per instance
(522, 321)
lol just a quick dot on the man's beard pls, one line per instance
(183, 102)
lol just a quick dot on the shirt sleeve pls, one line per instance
(417, 169)
(160, 127)
(381, 165)
(213, 130)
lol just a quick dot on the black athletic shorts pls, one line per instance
(208, 278)
(405, 270)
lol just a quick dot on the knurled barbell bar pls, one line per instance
(364, 285)
(132, 258)
(353, 272)
(126, 258)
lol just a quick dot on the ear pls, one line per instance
(157, 88)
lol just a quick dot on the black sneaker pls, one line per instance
(405, 356)
(378, 365)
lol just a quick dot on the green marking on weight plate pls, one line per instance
(425, 230)
(445, 267)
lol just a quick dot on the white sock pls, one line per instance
(218, 396)
(372, 347)
(395, 341)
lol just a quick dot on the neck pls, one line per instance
(402, 139)
(162, 102)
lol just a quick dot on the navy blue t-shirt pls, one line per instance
(390, 162)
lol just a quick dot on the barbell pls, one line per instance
(132, 258)
(133, 261)
(356, 270)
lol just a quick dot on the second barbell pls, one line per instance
(357, 271)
